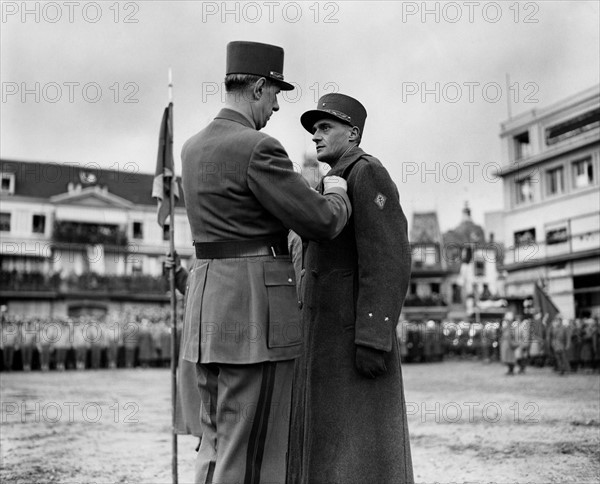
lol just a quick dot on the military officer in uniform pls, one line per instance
(348, 412)
(241, 321)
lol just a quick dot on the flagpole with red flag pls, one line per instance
(166, 191)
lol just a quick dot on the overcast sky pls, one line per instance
(86, 82)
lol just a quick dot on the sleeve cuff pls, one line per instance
(342, 193)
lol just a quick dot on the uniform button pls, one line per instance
(370, 315)
(300, 304)
(386, 319)
(289, 279)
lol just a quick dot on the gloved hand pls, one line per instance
(370, 362)
(333, 181)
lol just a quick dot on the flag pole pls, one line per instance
(174, 349)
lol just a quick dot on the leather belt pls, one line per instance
(231, 249)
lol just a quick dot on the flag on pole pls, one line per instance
(165, 170)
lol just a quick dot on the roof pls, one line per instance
(467, 232)
(425, 229)
(46, 180)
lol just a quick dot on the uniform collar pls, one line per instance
(235, 116)
(347, 159)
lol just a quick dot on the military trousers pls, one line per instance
(244, 414)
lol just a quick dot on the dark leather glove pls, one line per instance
(370, 362)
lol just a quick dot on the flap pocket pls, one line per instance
(284, 313)
(279, 273)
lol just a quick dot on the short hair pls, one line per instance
(240, 82)
(359, 138)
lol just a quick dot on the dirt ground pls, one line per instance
(469, 423)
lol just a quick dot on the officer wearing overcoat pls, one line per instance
(241, 322)
(348, 412)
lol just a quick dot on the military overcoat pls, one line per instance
(347, 428)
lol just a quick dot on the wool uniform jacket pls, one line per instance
(346, 428)
(239, 184)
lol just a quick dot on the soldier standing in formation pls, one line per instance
(561, 342)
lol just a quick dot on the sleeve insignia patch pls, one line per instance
(380, 200)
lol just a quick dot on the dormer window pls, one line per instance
(7, 183)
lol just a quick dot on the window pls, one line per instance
(166, 232)
(4, 222)
(556, 236)
(425, 255)
(573, 127)
(525, 237)
(435, 287)
(39, 224)
(522, 146)
(479, 268)
(556, 181)
(136, 267)
(456, 294)
(524, 190)
(7, 183)
(430, 256)
(583, 173)
(138, 230)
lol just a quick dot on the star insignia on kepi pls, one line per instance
(380, 200)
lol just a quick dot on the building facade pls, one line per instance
(76, 239)
(551, 217)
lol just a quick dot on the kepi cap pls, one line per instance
(336, 106)
(264, 60)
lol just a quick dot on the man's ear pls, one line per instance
(354, 134)
(259, 86)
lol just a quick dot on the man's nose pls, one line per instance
(316, 136)
(276, 106)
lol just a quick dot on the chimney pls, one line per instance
(466, 213)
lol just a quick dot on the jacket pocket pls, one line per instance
(284, 314)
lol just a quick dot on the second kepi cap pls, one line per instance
(336, 106)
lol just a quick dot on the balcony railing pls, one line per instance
(422, 301)
(568, 247)
(91, 234)
(106, 284)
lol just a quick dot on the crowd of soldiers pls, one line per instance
(136, 337)
(141, 337)
(424, 341)
(567, 345)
